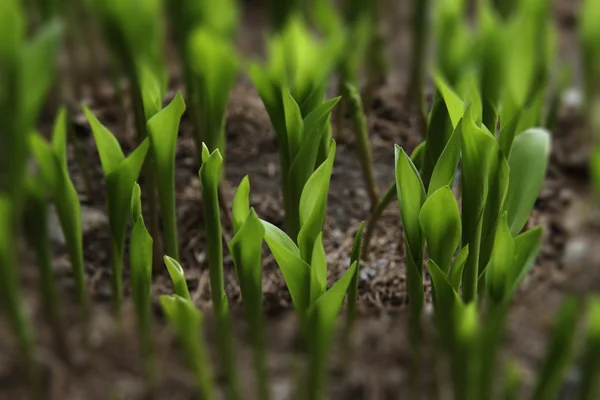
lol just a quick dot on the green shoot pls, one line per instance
(590, 365)
(213, 62)
(140, 264)
(12, 302)
(186, 320)
(292, 86)
(36, 229)
(353, 288)
(355, 108)
(120, 174)
(246, 251)
(177, 277)
(210, 173)
(558, 352)
(162, 130)
(52, 158)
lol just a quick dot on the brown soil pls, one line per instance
(110, 363)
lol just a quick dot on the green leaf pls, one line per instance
(527, 247)
(140, 265)
(13, 29)
(293, 123)
(296, 271)
(318, 270)
(111, 155)
(445, 299)
(313, 204)
(59, 137)
(305, 157)
(558, 352)
(241, 204)
(457, 268)
(187, 322)
(46, 158)
(151, 88)
(353, 288)
(38, 65)
(440, 222)
(214, 62)
(162, 130)
(446, 166)
(323, 315)
(454, 104)
(411, 196)
(177, 277)
(528, 163)
(501, 262)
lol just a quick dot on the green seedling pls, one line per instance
(120, 174)
(210, 173)
(178, 278)
(353, 288)
(140, 265)
(52, 158)
(192, 22)
(187, 322)
(558, 352)
(162, 130)
(355, 109)
(304, 268)
(12, 301)
(36, 230)
(213, 63)
(292, 86)
(246, 251)
(590, 366)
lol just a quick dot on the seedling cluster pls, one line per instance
(464, 194)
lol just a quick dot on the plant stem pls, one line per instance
(149, 172)
(352, 97)
(214, 244)
(384, 201)
(471, 272)
(419, 47)
(116, 279)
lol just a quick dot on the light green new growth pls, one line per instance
(140, 265)
(187, 322)
(213, 62)
(52, 158)
(246, 251)
(210, 173)
(177, 277)
(162, 130)
(120, 174)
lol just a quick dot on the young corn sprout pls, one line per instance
(304, 268)
(162, 130)
(120, 174)
(52, 159)
(210, 173)
(186, 320)
(246, 251)
(140, 265)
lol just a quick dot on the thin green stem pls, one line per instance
(116, 279)
(384, 201)
(352, 97)
(419, 47)
(471, 272)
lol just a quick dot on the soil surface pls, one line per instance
(109, 364)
